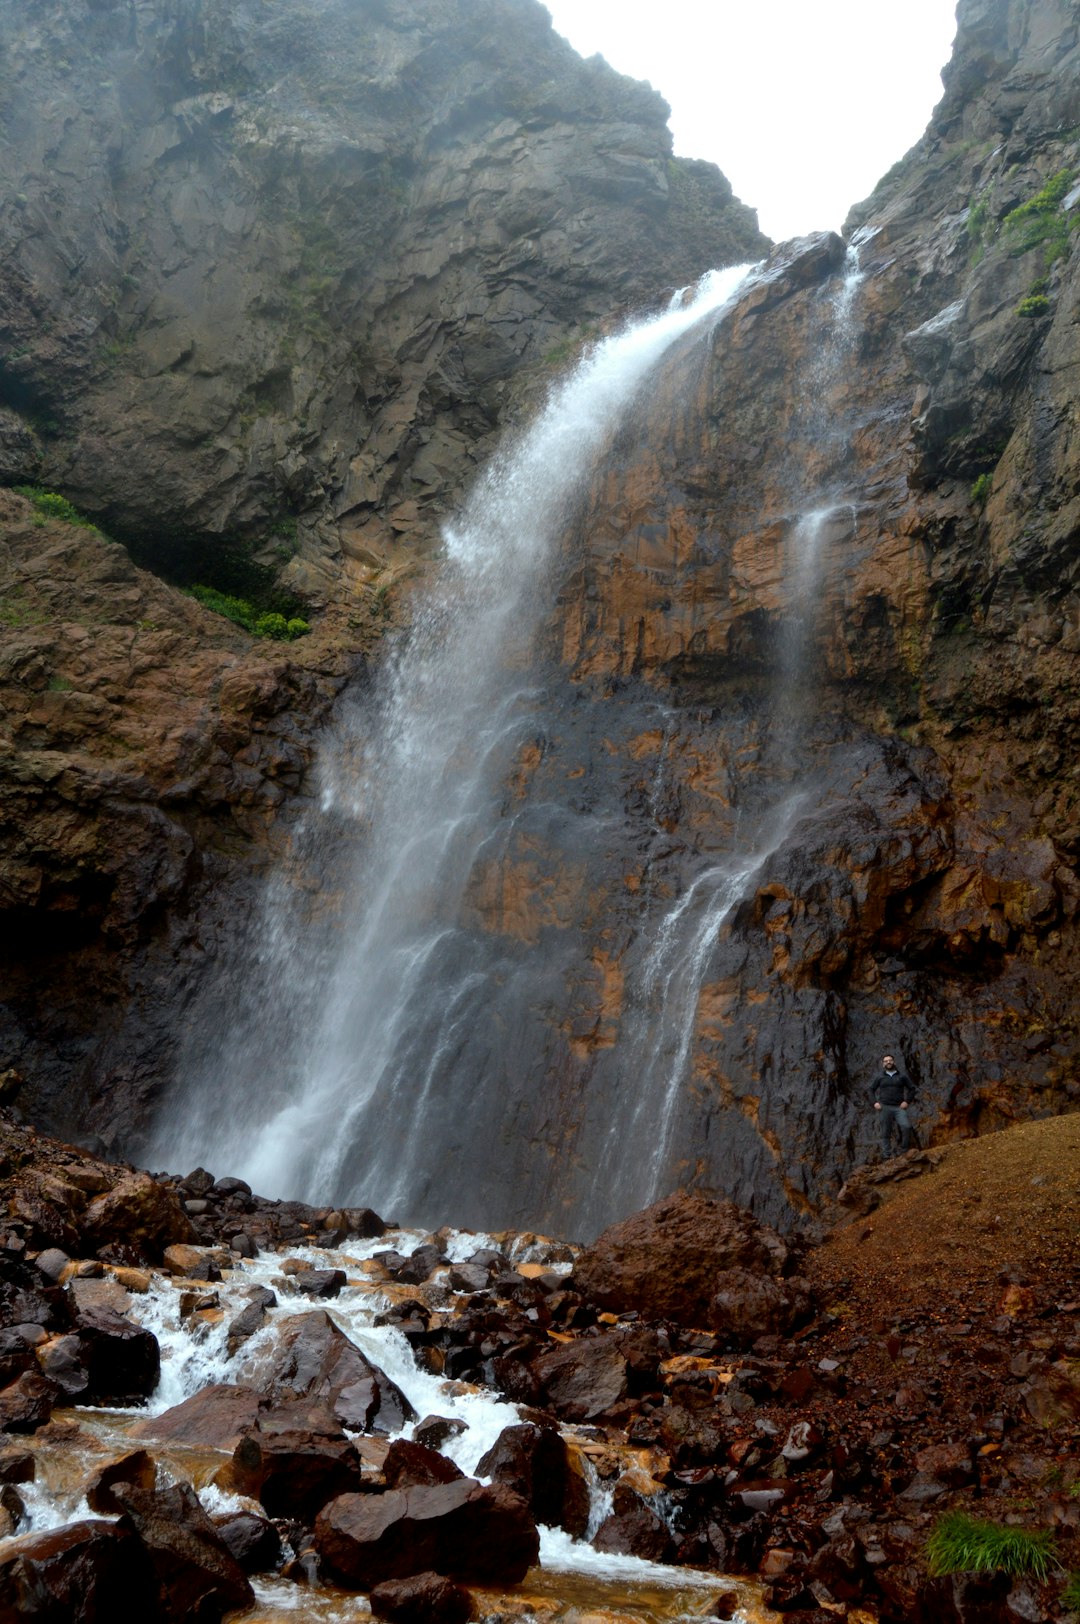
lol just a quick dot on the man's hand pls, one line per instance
(877, 1105)
(903, 1105)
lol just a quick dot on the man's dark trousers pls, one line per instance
(890, 1115)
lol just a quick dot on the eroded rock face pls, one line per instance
(314, 245)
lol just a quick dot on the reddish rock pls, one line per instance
(313, 1359)
(409, 1464)
(140, 1213)
(426, 1599)
(196, 1573)
(666, 1262)
(633, 1529)
(749, 1305)
(536, 1463)
(581, 1380)
(319, 1282)
(477, 1532)
(214, 1418)
(293, 1473)
(121, 1360)
(85, 1573)
(136, 1468)
(27, 1404)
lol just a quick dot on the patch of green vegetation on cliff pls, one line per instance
(270, 623)
(961, 1544)
(1036, 304)
(50, 505)
(17, 613)
(1041, 221)
(980, 490)
(1070, 1596)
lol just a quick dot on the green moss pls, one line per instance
(960, 1544)
(980, 490)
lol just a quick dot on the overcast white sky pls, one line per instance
(803, 103)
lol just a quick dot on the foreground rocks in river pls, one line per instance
(313, 1359)
(464, 1529)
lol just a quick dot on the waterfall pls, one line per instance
(331, 1080)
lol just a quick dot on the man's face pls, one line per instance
(888, 1062)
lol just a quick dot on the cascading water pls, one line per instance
(334, 1085)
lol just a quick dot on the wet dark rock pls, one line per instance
(27, 1403)
(464, 1529)
(293, 1471)
(16, 1355)
(583, 1379)
(250, 1319)
(415, 1269)
(536, 1463)
(16, 1465)
(409, 1464)
(633, 1528)
(196, 1573)
(27, 1298)
(319, 1282)
(312, 1358)
(197, 1183)
(84, 1573)
(52, 1263)
(216, 1417)
(427, 1598)
(435, 1430)
(365, 1223)
(252, 1541)
(137, 1467)
(121, 1360)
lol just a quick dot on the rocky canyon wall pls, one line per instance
(803, 786)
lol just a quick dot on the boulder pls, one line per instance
(665, 1262)
(537, 1464)
(139, 1212)
(120, 1361)
(83, 1573)
(434, 1430)
(293, 1472)
(581, 1380)
(17, 1353)
(633, 1529)
(409, 1464)
(319, 1282)
(472, 1531)
(27, 1403)
(426, 1599)
(749, 1305)
(196, 1573)
(254, 1542)
(28, 1298)
(313, 1359)
(135, 1467)
(214, 1418)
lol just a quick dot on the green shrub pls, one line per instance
(1036, 304)
(272, 625)
(960, 1544)
(52, 506)
(980, 491)
(260, 623)
(1070, 1596)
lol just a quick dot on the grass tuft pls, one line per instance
(959, 1544)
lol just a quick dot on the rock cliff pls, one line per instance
(812, 672)
(268, 271)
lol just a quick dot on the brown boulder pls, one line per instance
(465, 1529)
(409, 1464)
(214, 1418)
(536, 1463)
(426, 1599)
(84, 1573)
(136, 1467)
(196, 1573)
(313, 1359)
(583, 1379)
(254, 1542)
(749, 1305)
(27, 1403)
(293, 1472)
(121, 1361)
(633, 1529)
(139, 1212)
(665, 1262)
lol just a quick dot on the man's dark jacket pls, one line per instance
(892, 1088)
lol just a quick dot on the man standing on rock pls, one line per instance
(892, 1091)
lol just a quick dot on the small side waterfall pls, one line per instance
(356, 1021)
